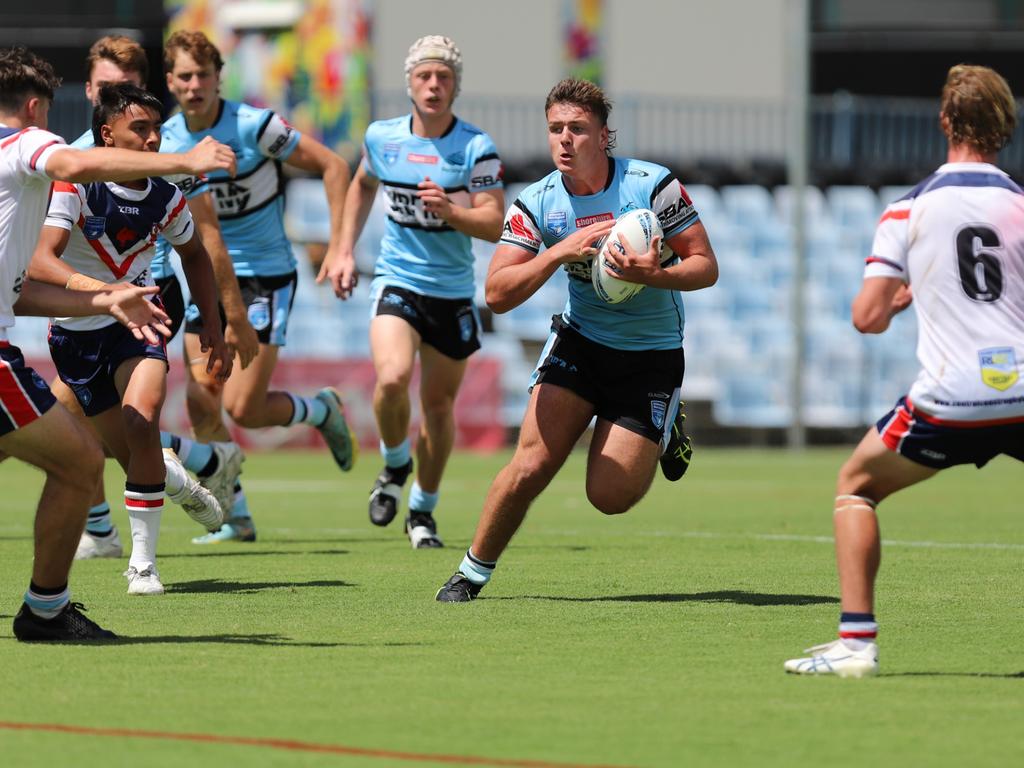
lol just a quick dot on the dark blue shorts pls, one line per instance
(930, 442)
(269, 300)
(87, 360)
(451, 326)
(24, 396)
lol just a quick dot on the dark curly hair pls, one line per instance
(23, 75)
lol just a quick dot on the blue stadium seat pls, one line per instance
(307, 218)
(891, 194)
(706, 200)
(854, 206)
(748, 204)
(816, 209)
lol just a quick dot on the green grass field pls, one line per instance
(651, 639)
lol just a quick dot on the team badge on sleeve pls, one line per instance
(998, 367)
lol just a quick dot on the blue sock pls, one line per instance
(395, 456)
(167, 440)
(476, 570)
(421, 501)
(307, 410)
(241, 507)
(47, 602)
(195, 456)
(98, 522)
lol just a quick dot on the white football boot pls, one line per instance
(90, 546)
(836, 658)
(198, 502)
(144, 582)
(222, 482)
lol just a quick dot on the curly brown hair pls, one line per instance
(122, 51)
(23, 75)
(585, 95)
(978, 108)
(195, 44)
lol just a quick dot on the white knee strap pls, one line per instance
(849, 501)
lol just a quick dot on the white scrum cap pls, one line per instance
(434, 48)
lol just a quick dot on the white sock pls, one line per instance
(145, 505)
(177, 478)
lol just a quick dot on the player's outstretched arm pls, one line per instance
(310, 155)
(128, 304)
(340, 267)
(239, 334)
(195, 261)
(482, 219)
(111, 164)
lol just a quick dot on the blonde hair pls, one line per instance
(978, 108)
(122, 51)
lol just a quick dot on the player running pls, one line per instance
(30, 159)
(104, 233)
(117, 59)
(250, 210)
(957, 240)
(620, 362)
(442, 179)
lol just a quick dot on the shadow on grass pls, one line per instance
(230, 639)
(1008, 676)
(345, 540)
(26, 537)
(257, 553)
(207, 586)
(735, 596)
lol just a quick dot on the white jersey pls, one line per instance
(114, 230)
(958, 239)
(24, 191)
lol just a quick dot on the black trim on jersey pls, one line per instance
(401, 185)
(661, 186)
(491, 156)
(526, 210)
(262, 128)
(263, 161)
(417, 225)
(447, 130)
(607, 184)
(243, 214)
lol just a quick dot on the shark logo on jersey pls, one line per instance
(457, 159)
(658, 410)
(93, 227)
(391, 152)
(998, 367)
(557, 222)
(630, 206)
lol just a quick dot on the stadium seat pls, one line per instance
(854, 206)
(891, 194)
(307, 218)
(706, 200)
(816, 209)
(748, 204)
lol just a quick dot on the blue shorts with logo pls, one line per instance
(24, 396)
(87, 360)
(928, 441)
(451, 326)
(269, 301)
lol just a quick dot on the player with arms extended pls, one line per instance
(620, 362)
(31, 158)
(115, 59)
(957, 239)
(442, 179)
(103, 234)
(250, 210)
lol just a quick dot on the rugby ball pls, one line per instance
(638, 227)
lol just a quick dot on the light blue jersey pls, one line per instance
(546, 213)
(421, 252)
(85, 141)
(250, 206)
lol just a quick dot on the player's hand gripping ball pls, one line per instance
(638, 227)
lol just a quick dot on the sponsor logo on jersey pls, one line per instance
(517, 232)
(637, 172)
(586, 221)
(391, 152)
(675, 213)
(684, 194)
(93, 227)
(415, 157)
(280, 141)
(129, 209)
(556, 222)
(658, 410)
(998, 367)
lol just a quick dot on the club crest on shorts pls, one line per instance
(998, 367)
(658, 410)
(259, 314)
(93, 227)
(84, 395)
(465, 326)
(391, 152)
(557, 222)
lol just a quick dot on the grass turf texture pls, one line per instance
(650, 639)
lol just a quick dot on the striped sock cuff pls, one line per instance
(857, 626)
(98, 522)
(46, 602)
(476, 570)
(299, 409)
(144, 498)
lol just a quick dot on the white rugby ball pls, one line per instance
(638, 227)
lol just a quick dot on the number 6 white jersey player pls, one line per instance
(957, 240)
